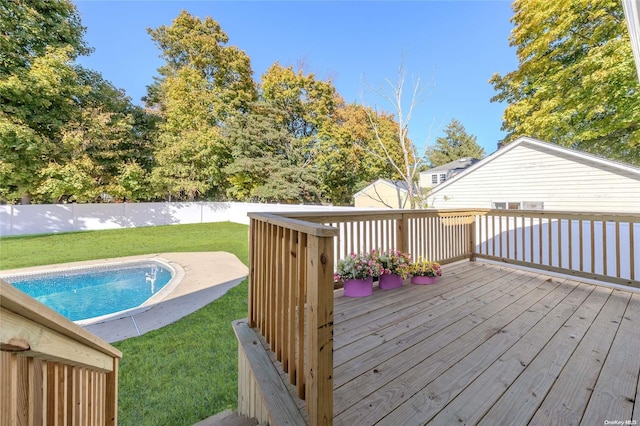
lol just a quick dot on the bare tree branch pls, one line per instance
(412, 159)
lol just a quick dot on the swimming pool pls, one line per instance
(86, 293)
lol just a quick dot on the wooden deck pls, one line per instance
(491, 345)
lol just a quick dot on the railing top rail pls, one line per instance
(19, 303)
(378, 214)
(553, 214)
(304, 219)
(283, 219)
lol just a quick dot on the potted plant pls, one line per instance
(357, 272)
(425, 271)
(395, 268)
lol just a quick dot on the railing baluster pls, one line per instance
(581, 238)
(301, 299)
(632, 273)
(617, 225)
(593, 246)
(570, 244)
(604, 247)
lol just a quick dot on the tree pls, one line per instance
(350, 157)
(38, 88)
(456, 143)
(576, 83)
(411, 159)
(267, 164)
(306, 105)
(65, 132)
(202, 84)
(104, 149)
(36, 104)
(30, 28)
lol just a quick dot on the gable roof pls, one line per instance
(455, 165)
(527, 141)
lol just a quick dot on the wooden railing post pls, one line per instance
(319, 330)
(111, 403)
(402, 234)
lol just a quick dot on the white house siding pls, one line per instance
(425, 180)
(535, 173)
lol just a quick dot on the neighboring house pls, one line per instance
(383, 193)
(534, 175)
(440, 174)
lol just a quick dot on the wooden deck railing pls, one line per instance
(603, 247)
(292, 256)
(440, 235)
(52, 371)
(291, 303)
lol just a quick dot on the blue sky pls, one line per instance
(454, 47)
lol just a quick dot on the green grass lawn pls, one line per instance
(183, 372)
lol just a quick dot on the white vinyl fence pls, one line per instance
(50, 218)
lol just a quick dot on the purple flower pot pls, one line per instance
(358, 288)
(389, 282)
(418, 279)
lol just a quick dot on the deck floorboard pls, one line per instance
(488, 344)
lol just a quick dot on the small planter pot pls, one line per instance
(420, 280)
(358, 288)
(389, 282)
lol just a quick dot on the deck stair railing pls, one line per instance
(52, 371)
(291, 303)
(292, 257)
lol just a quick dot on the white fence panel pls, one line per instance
(52, 218)
(87, 216)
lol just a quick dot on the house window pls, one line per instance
(443, 177)
(533, 205)
(509, 205)
(434, 179)
(517, 205)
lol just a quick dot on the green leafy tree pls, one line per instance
(65, 133)
(37, 102)
(203, 83)
(306, 105)
(267, 164)
(351, 157)
(576, 83)
(30, 28)
(455, 144)
(38, 86)
(104, 150)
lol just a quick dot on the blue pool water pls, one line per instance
(88, 293)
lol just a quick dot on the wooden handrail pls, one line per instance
(54, 371)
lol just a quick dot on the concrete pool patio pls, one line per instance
(200, 278)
